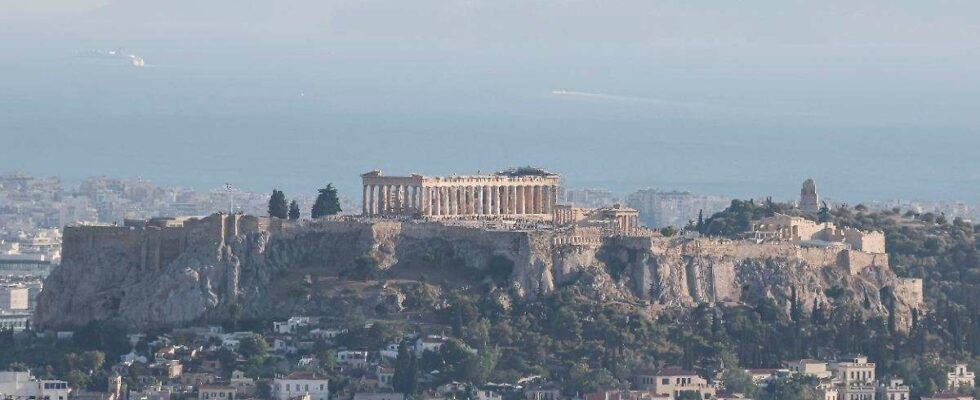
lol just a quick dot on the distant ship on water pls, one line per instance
(117, 54)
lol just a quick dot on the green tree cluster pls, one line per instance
(327, 203)
(277, 205)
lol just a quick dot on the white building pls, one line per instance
(216, 392)
(13, 298)
(21, 385)
(301, 383)
(243, 384)
(16, 322)
(353, 358)
(429, 343)
(896, 389)
(327, 334)
(815, 368)
(959, 376)
(857, 378)
(291, 325)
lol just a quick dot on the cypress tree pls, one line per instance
(700, 225)
(277, 205)
(327, 202)
(293, 210)
(406, 370)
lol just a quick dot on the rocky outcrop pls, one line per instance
(269, 273)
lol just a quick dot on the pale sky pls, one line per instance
(48, 6)
(873, 98)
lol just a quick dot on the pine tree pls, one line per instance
(277, 204)
(293, 210)
(326, 203)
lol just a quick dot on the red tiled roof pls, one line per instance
(303, 375)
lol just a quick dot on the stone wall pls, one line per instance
(167, 276)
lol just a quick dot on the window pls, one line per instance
(665, 381)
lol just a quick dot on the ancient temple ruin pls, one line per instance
(527, 192)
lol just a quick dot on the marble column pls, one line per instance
(416, 199)
(487, 201)
(453, 201)
(433, 196)
(391, 199)
(443, 201)
(554, 196)
(543, 191)
(396, 201)
(529, 200)
(476, 200)
(452, 197)
(458, 201)
(505, 200)
(436, 202)
(519, 199)
(513, 199)
(405, 200)
(385, 199)
(393, 195)
(547, 199)
(410, 199)
(502, 199)
(542, 203)
(471, 200)
(364, 200)
(371, 200)
(533, 200)
(496, 200)
(462, 200)
(485, 191)
(402, 199)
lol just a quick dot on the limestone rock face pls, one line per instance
(303, 268)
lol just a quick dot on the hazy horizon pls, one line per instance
(876, 100)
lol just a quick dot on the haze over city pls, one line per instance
(874, 99)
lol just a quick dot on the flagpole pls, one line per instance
(231, 199)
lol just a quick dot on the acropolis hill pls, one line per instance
(456, 232)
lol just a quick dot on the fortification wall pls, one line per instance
(857, 261)
(166, 275)
(79, 241)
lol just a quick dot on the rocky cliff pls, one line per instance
(160, 277)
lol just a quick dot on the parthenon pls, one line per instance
(517, 193)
